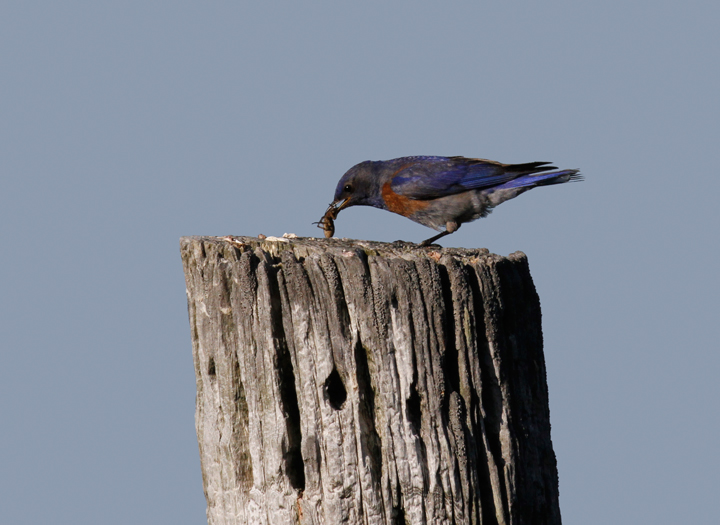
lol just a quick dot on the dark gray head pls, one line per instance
(360, 186)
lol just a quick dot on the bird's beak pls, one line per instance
(339, 205)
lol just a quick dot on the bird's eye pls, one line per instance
(347, 188)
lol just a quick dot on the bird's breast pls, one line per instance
(400, 204)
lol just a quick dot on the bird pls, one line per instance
(439, 192)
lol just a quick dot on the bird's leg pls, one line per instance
(450, 227)
(428, 242)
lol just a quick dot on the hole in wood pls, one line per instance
(414, 412)
(398, 517)
(394, 302)
(211, 367)
(295, 469)
(335, 392)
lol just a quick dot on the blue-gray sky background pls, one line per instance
(125, 125)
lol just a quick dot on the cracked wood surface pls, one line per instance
(368, 383)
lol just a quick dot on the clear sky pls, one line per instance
(126, 125)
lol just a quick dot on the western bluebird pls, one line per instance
(439, 192)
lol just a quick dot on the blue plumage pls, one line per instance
(440, 176)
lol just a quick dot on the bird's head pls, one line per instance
(360, 186)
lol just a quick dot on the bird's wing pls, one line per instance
(433, 177)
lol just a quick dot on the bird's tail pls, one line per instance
(543, 179)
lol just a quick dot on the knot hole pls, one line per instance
(335, 392)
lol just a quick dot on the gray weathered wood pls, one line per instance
(361, 382)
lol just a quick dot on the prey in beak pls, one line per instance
(327, 222)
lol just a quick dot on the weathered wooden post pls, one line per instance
(368, 383)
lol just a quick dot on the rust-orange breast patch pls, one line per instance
(400, 204)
